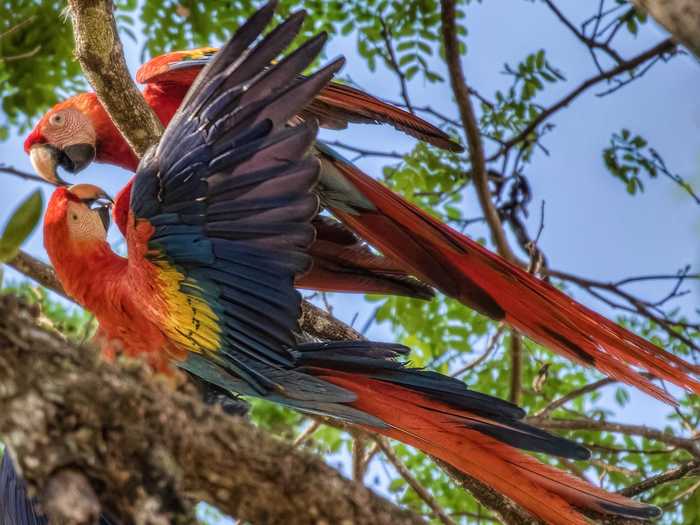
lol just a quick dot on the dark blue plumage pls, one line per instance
(233, 214)
(16, 508)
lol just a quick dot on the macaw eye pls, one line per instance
(57, 119)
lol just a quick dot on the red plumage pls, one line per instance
(440, 431)
(208, 278)
(412, 242)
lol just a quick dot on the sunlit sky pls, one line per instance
(592, 226)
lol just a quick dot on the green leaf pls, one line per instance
(21, 225)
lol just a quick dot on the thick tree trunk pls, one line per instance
(680, 17)
(78, 426)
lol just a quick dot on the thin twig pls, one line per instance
(419, 489)
(666, 46)
(675, 501)
(21, 56)
(654, 434)
(516, 372)
(490, 347)
(366, 152)
(9, 170)
(18, 26)
(359, 452)
(471, 129)
(307, 433)
(590, 42)
(587, 389)
(394, 64)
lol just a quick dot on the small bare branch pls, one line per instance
(587, 389)
(419, 489)
(362, 152)
(691, 468)
(667, 46)
(490, 347)
(690, 445)
(9, 170)
(394, 65)
(307, 433)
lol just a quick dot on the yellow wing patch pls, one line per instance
(189, 321)
(202, 52)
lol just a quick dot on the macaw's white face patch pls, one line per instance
(84, 224)
(66, 127)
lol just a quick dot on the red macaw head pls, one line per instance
(71, 135)
(76, 221)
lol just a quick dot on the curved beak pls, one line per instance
(105, 212)
(77, 157)
(96, 199)
(46, 159)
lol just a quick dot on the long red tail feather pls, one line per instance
(465, 270)
(550, 494)
(347, 104)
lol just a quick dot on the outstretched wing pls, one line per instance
(222, 207)
(334, 107)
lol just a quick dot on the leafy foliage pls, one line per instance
(20, 225)
(37, 68)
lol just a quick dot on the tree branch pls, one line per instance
(413, 482)
(508, 512)
(689, 468)
(362, 152)
(586, 389)
(101, 56)
(663, 47)
(680, 17)
(9, 170)
(38, 271)
(394, 64)
(471, 130)
(64, 407)
(690, 445)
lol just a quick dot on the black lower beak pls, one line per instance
(76, 157)
(104, 212)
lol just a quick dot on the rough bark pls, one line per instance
(101, 56)
(680, 17)
(37, 270)
(66, 414)
(320, 324)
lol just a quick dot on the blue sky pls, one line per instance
(592, 226)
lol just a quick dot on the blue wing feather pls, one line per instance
(229, 191)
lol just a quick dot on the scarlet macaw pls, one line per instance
(413, 242)
(219, 223)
